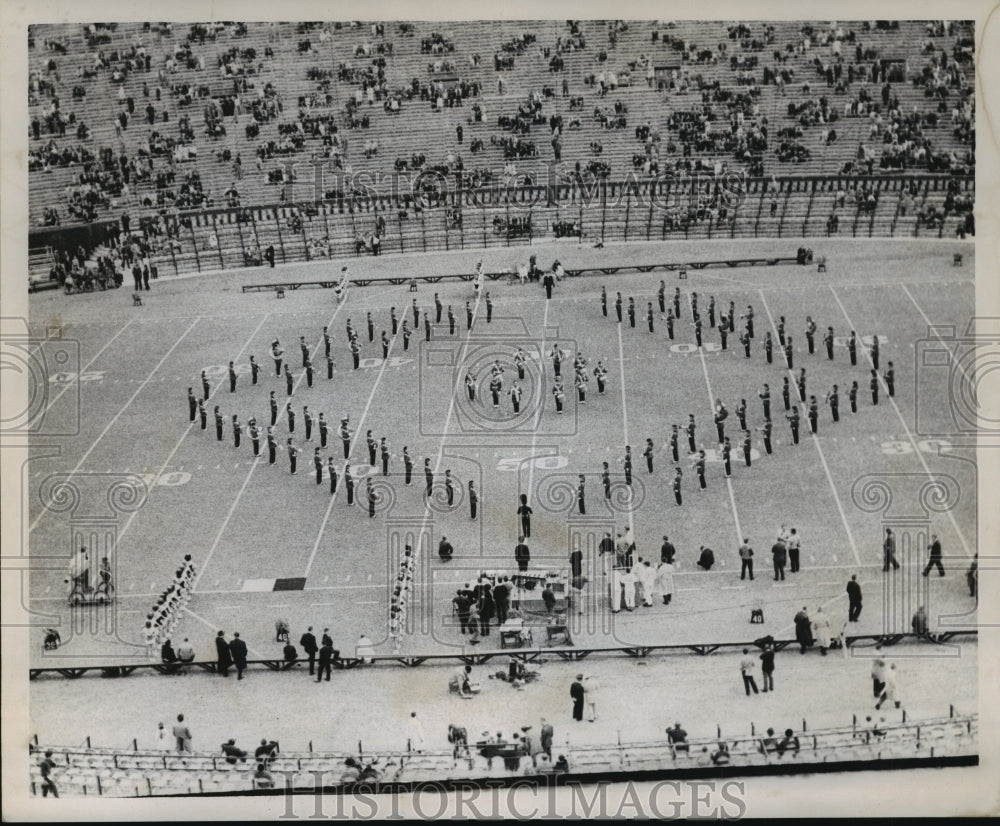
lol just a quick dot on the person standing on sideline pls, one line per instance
(238, 649)
(746, 670)
(889, 551)
(548, 282)
(590, 689)
(182, 734)
(521, 554)
(223, 654)
(853, 599)
(779, 556)
(934, 560)
(793, 544)
(327, 655)
(767, 668)
(803, 630)
(821, 630)
(746, 560)
(308, 643)
(577, 693)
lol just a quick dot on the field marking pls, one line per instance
(87, 365)
(117, 415)
(931, 328)
(902, 421)
(819, 449)
(621, 382)
(541, 406)
(256, 461)
(184, 435)
(354, 441)
(729, 482)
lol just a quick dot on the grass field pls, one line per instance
(247, 524)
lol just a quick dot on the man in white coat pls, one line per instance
(590, 688)
(628, 580)
(615, 584)
(647, 579)
(665, 581)
(821, 630)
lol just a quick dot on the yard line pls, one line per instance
(902, 421)
(166, 462)
(256, 461)
(108, 426)
(250, 650)
(729, 482)
(87, 365)
(932, 328)
(541, 406)
(621, 382)
(357, 435)
(819, 448)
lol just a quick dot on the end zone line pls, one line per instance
(354, 441)
(729, 482)
(902, 421)
(187, 430)
(117, 415)
(232, 508)
(819, 449)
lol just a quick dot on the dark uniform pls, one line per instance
(473, 500)
(581, 501)
(673, 442)
(786, 394)
(874, 352)
(515, 397)
(254, 370)
(427, 327)
(813, 415)
(371, 327)
(690, 434)
(789, 353)
(890, 380)
(237, 431)
(272, 446)
(407, 333)
(393, 320)
(326, 342)
(768, 348)
(318, 462)
(428, 477)
(384, 455)
(372, 448)
(670, 324)
(711, 311)
(218, 424)
(437, 309)
(345, 438)
(628, 465)
(811, 335)
(677, 487)
(618, 307)
(255, 437)
(276, 352)
(852, 394)
(721, 414)
(600, 374)
(648, 453)
(723, 332)
(852, 348)
(781, 330)
(232, 378)
(356, 353)
(309, 374)
(370, 495)
(274, 409)
(834, 401)
(408, 465)
(631, 312)
(307, 418)
(746, 448)
(291, 417)
(697, 331)
(606, 481)
(649, 315)
(745, 341)
(205, 388)
(765, 398)
(828, 341)
(349, 484)
(741, 413)
(305, 350)
(677, 302)
(699, 468)
(489, 310)
(293, 453)
(801, 382)
(288, 381)
(766, 431)
(748, 317)
(468, 316)
(604, 302)
(192, 404)
(726, 454)
(793, 421)
(332, 473)
(451, 321)
(873, 384)
(416, 314)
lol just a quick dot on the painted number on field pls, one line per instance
(841, 341)
(685, 349)
(512, 464)
(932, 446)
(170, 479)
(393, 361)
(69, 378)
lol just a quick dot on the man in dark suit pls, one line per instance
(308, 643)
(238, 649)
(576, 692)
(327, 656)
(853, 599)
(225, 658)
(521, 554)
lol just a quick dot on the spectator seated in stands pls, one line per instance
(290, 653)
(789, 743)
(677, 737)
(262, 778)
(185, 653)
(167, 653)
(720, 757)
(52, 639)
(233, 754)
(769, 744)
(266, 752)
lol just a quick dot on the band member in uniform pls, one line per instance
(496, 384)
(748, 317)
(345, 437)
(192, 404)
(745, 341)
(416, 314)
(350, 331)
(218, 424)
(765, 398)
(393, 320)
(437, 309)
(473, 497)
(670, 324)
(786, 393)
(649, 315)
(604, 301)
(254, 370)
(693, 300)
(581, 386)
(205, 388)
(631, 312)
(890, 379)
(309, 373)
(520, 357)
(451, 321)
(272, 446)
(801, 382)
(356, 353)
(468, 316)
(427, 326)
(349, 483)
(332, 473)
(305, 350)
(833, 399)
(237, 431)
(470, 385)
(288, 381)
(489, 309)
(746, 447)
(699, 468)
(254, 432)
(721, 414)
(600, 373)
(291, 417)
(726, 457)
(741, 413)
(371, 327)
(606, 480)
(697, 331)
(232, 378)
(768, 347)
(813, 415)
(852, 395)
(407, 332)
(428, 477)
(781, 331)
(618, 307)
(874, 352)
(661, 298)
(407, 465)
(789, 353)
(384, 455)
(307, 419)
(558, 394)
(326, 342)
(293, 453)
(732, 316)
(385, 346)
(673, 442)
(873, 384)
(370, 496)
(766, 431)
(711, 311)
(828, 341)
(581, 495)
(852, 348)
(793, 422)
(724, 331)
(677, 485)
(648, 453)
(274, 409)
(515, 397)
(628, 465)
(810, 334)
(677, 302)
(329, 367)
(318, 462)
(372, 448)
